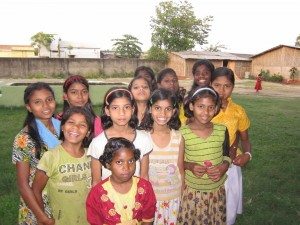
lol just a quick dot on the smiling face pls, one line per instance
(203, 109)
(122, 165)
(162, 111)
(202, 76)
(75, 128)
(77, 95)
(140, 90)
(120, 111)
(42, 104)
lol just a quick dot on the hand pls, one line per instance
(216, 172)
(46, 221)
(197, 169)
(241, 160)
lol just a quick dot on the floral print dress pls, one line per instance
(24, 151)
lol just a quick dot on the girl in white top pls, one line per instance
(166, 167)
(119, 121)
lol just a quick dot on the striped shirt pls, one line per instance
(198, 150)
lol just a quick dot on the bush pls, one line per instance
(267, 76)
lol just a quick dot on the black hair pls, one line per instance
(157, 95)
(29, 121)
(201, 92)
(111, 94)
(145, 70)
(180, 92)
(115, 144)
(223, 71)
(89, 120)
(198, 63)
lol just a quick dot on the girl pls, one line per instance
(119, 121)
(237, 123)
(76, 93)
(121, 198)
(167, 78)
(258, 86)
(206, 160)
(40, 132)
(202, 70)
(165, 171)
(66, 170)
(148, 73)
(141, 90)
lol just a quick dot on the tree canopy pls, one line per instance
(176, 28)
(40, 39)
(127, 47)
(297, 43)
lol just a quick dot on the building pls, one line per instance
(182, 62)
(17, 51)
(277, 60)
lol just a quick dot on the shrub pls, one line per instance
(267, 76)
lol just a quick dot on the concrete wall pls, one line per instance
(51, 67)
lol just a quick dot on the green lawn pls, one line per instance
(271, 179)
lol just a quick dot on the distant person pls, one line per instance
(168, 79)
(119, 121)
(234, 117)
(206, 160)
(141, 88)
(66, 170)
(166, 174)
(258, 86)
(76, 93)
(39, 134)
(121, 198)
(202, 70)
(148, 73)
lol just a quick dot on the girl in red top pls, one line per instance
(258, 83)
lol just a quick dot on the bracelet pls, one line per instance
(248, 153)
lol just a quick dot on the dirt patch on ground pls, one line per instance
(241, 87)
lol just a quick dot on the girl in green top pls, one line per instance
(206, 160)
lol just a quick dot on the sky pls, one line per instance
(243, 26)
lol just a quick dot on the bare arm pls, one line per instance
(145, 167)
(243, 159)
(180, 162)
(96, 168)
(23, 172)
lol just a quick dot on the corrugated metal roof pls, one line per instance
(210, 55)
(274, 48)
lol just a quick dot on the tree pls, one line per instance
(156, 53)
(176, 28)
(215, 48)
(42, 39)
(127, 47)
(297, 43)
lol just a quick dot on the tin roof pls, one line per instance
(274, 48)
(211, 55)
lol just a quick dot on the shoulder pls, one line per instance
(143, 141)
(220, 127)
(99, 140)
(143, 183)
(23, 140)
(142, 134)
(184, 129)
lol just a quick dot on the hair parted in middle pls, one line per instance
(157, 95)
(201, 92)
(115, 144)
(112, 94)
(89, 120)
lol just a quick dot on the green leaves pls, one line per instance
(40, 39)
(127, 47)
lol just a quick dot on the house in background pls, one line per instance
(17, 51)
(279, 59)
(182, 62)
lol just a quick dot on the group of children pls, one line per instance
(155, 156)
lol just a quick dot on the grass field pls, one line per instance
(271, 179)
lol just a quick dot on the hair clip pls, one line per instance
(203, 89)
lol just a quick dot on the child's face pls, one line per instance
(41, 104)
(75, 129)
(77, 95)
(140, 90)
(122, 166)
(162, 111)
(203, 109)
(120, 111)
(223, 86)
(170, 82)
(202, 76)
